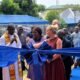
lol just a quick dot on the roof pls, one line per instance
(21, 19)
(72, 20)
(56, 7)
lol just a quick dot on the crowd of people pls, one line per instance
(58, 68)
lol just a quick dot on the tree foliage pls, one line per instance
(8, 7)
(51, 15)
(41, 8)
(20, 7)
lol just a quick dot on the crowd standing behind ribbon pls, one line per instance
(58, 68)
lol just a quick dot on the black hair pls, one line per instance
(10, 27)
(38, 30)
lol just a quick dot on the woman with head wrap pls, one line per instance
(36, 40)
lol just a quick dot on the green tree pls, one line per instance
(18, 1)
(0, 8)
(27, 7)
(51, 15)
(8, 7)
(20, 7)
(41, 8)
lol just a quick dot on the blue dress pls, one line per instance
(36, 65)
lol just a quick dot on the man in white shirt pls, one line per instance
(10, 38)
(76, 41)
(76, 37)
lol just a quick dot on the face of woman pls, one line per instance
(35, 34)
(49, 33)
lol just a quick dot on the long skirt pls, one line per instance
(55, 70)
(36, 72)
(13, 72)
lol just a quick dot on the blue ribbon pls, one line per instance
(8, 55)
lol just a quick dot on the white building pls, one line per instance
(70, 16)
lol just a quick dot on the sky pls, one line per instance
(48, 3)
